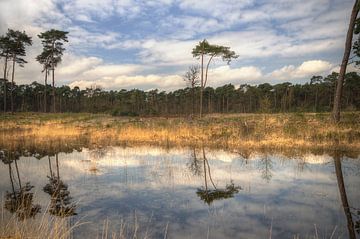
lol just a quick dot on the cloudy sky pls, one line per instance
(147, 44)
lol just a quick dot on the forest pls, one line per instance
(317, 95)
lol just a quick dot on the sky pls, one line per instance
(146, 44)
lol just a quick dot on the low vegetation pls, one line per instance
(255, 131)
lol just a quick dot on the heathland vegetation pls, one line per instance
(284, 131)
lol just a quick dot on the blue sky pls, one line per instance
(147, 44)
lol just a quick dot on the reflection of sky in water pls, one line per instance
(157, 188)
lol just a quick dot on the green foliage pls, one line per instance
(52, 41)
(204, 48)
(208, 196)
(118, 112)
(356, 44)
(13, 45)
(265, 105)
(266, 98)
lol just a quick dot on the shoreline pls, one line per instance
(274, 132)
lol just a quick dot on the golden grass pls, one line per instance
(231, 131)
(46, 227)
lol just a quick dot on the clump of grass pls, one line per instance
(46, 227)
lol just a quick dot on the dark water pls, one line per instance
(186, 193)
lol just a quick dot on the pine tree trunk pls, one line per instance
(5, 71)
(45, 97)
(202, 83)
(53, 89)
(209, 103)
(348, 43)
(343, 196)
(192, 99)
(12, 85)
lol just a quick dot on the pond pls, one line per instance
(187, 193)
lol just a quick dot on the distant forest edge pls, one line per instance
(317, 95)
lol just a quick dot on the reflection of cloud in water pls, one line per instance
(158, 182)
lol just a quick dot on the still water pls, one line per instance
(188, 193)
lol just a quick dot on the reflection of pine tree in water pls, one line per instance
(60, 204)
(95, 155)
(194, 164)
(349, 211)
(19, 201)
(209, 195)
(266, 166)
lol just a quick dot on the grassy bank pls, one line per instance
(255, 131)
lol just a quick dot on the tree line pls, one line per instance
(317, 95)
(334, 91)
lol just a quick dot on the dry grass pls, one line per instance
(46, 227)
(254, 131)
(51, 227)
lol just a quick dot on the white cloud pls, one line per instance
(20, 14)
(161, 52)
(186, 27)
(305, 70)
(76, 65)
(225, 75)
(144, 82)
(252, 44)
(109, 79)
(79, 37)
(267, 30)
(87, 9)
(349, 68)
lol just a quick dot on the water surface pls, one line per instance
(189, 193)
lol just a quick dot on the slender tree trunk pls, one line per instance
(202, 83)
(57, 166)
(11, 179)
(208, 167)
(348, 43)
(207, 69)
(51, 173)
(12, 84)
(209, 103)
(45, 97)
(205, 177)
(5, 71)
(223, 104)
(344, 200)
(53, 89)
(192, 99)
(316, 99)
(17, 172)
(276, 100)
(227, 104)
(22, 103)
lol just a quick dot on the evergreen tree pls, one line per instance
(53, 50)
(206, 49)
(18, 42)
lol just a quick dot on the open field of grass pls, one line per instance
(253, 131)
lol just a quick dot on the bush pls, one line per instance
(117, 112)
